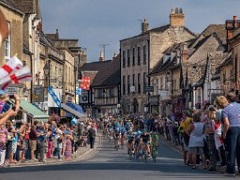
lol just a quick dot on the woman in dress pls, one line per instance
(196, 141)
(68, 145)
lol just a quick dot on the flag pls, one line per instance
(13, 72)
(85, 83)
(12, 65)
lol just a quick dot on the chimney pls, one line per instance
(114, 56)
(101, 58)
(231, 26)
(177, 18)
(145, 26)
(56, 35)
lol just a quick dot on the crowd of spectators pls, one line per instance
(38, 141)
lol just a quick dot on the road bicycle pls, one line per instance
(154, 153)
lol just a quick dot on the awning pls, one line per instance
(73, 109)
(33, 111)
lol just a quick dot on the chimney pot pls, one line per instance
(101, 58)
(176, 18)
(145, 26)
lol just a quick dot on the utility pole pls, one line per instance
(104, 47)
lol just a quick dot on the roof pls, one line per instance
(24, 6)
(160, 66)
(108, 72)
(158, 29)
(226, 61)
(44, 39)
(218, 29)
(12, 5)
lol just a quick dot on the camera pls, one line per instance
(11, 96)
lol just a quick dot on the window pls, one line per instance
(144, 54)
(236, 67)
(100, 93)
(128, 83)
(128, 57)
(133, 56)
(124, 58)
(144, 81)
(139, 55)
(124, 85)
(111, 92)
(139, 83)
(7, 45)
(133, 79)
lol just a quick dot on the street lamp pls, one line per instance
(46, 70)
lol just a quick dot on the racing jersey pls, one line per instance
(145, 138)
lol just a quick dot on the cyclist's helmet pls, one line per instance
(117, 129)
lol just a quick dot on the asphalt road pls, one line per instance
(109, 164)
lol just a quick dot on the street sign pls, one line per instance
(149, 89)
(12, 90)
(78, 91)
(38, 94)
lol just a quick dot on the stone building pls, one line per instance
(139, 55)
(104, 94)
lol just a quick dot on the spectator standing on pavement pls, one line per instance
(67, 145)
(184, 129)
(196, 142)
(231, 131)
(219, 143)
(33, 140)
(3, 135)
(92, 136)
(42, 142)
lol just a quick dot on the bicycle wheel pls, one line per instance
(154, 155)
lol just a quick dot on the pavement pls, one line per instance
(221, 170)
(83, 153)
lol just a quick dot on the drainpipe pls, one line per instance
(31, 70)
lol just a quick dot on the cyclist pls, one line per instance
(128, 125)
(137, 138)
(117, 137)
(123, 135)
(130, 138)
(154, 139)
(146, 138)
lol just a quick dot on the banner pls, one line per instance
(55, 97)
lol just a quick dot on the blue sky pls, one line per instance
(97, 22)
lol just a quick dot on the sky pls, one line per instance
(103, 23)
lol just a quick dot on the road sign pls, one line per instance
(149, 89)
(12, 90)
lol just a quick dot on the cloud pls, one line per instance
(96, 22)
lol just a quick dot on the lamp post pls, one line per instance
(46, 70)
